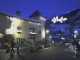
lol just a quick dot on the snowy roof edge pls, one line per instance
(26, 19)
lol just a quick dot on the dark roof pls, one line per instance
(35, 14)
(26, 19)
(6, 14)
(56, 36)
(72, 13)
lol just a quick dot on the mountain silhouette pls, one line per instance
(72, 18)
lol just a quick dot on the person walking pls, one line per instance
(12, 47)
(77, 47)
(18, 46)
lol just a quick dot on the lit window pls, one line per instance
(19, 30)
(31, 29)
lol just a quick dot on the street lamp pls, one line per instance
(47, 36)
(47, 31)
(75, 33)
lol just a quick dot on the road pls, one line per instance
(54, 52)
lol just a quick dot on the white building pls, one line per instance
(26, 30)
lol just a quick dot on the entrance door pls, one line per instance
(32, 42)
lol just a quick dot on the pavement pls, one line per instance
(54, 52)
(8, 56)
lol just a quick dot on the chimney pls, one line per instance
(18, 13)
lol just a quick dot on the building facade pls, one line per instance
(75, 30)
(25, 30)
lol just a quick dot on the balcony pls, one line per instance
(32, 35)
(19, 31)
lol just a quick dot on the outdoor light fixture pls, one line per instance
(32, 32)
(47, 31)
(14, 20)
(75, 31)
(50, 37)
(41, 18)
(14, 23)
(75, 34)
(34, 23)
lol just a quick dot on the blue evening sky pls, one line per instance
(46, 7)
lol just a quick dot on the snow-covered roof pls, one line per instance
(57, 27)
(27, 19)
(78, 21)
(56, 36)
(66, 33)
(76, 29)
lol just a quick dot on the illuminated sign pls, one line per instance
(56, 19)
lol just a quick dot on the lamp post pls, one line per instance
(75, 33)
(47, 31)
(47, 36)
(50, 39)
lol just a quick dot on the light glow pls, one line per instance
(47, 31)
(14, 23)
(41, 18)
(42, 34)
(19, 31)
(1, 35)
(75, 31)
(15, 20)
(32, 33)
(62, 38)
(56, 19)
(11, 30)
(79, 42)
(33, 23)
